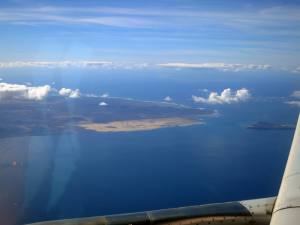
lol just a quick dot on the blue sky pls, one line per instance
(153, 32)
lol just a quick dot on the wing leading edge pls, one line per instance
(287, 207)
(244, 212)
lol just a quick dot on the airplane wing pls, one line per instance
(243, 212)
(283, 210)
(287, 207)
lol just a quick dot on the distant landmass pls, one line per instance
(56, 114)
(270, 126)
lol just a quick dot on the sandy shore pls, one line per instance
(139, 125)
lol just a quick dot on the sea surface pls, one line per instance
(89, 174)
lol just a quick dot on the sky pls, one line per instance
(228, 34)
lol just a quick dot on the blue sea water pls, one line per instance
(89, 174)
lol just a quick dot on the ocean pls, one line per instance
(89, 174)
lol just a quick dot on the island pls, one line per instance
(139, 125)
(57, 114)
(270, 126)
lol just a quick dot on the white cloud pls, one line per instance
(226, 97)
(38, 93)
(296, 70)
(66, 92)
(296, 94)
(17, 91)
(22, 91)
(104, 95)
(294, 103)
(168, 99)
(103, 104)
(217, 66)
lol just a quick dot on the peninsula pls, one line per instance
(58, 114)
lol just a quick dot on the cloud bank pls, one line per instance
(227, 96)
(98, 64)
(54, 64)
(217, 66)
(17, 91)
(74, 64)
